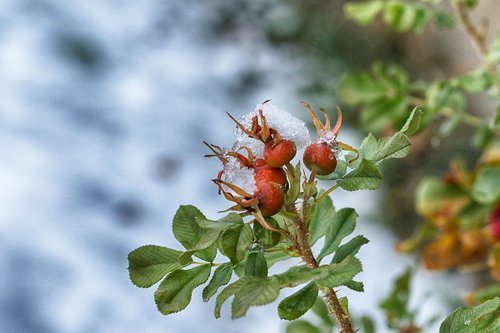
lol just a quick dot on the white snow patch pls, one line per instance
(289, 127)
(239, 175)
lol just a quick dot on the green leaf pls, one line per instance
(234, 242)
(230, 221)
(366, 176)
(444, 20)
(256, 265)
(340, 274)
(395, 305)
(475, 81)
(355, 285)
(175, 291)
(332, 275)
(344, 303)
(349, 249)
(432, 196)
(302, 326)
(206, 241)
(293, 192)
(297, 304)
(396, 146)
(187, 231)
(465, 319)
(412, 124)
(323, 215)
(367, 324)
(485, 293)
(297, 275)
(359, 88)
(363, 12)
(227, 292)
(222, 275)
(265, 237)
(254, 292)
(385, 113)
(486, 187)
(149, 264)
(494, 50)
(404, 16)
(343, 224)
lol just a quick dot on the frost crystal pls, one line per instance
(288, 126)
(239, 175)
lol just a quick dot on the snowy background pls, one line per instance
(103, 108)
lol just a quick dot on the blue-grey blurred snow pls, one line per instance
(103, 107)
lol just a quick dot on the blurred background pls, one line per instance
(103, 108)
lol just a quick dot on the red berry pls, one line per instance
(495, 223)
(269, 174)
(270, 198)
(259, 162)
(320, 158)
(279, 154)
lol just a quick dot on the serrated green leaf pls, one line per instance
(222, 275)
(366, 176)
(227, 292)
(297, 275)
(297, 304)
(302, 326)
(465, 319)
(149, 264)
(349, 249)
(175, 291)
(207, 240)
(341, 273)
(271, 259)
(396, 146)
(412, 124)
(355, 285)
(230, 221)
(187, 231)
(256, 265)
(344, 303)
(363, 12)
(332, 275)
(343, 224)
(234, 242)
(254, 292)
(323, 215)
(486, 187)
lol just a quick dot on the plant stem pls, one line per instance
(330, 296)
(478, 39)
(304, 246)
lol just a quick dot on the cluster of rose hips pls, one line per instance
(267, 196)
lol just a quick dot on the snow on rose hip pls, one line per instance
(320, 156)
(268, 139)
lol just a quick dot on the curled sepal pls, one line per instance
(324, 129)
(345, 146)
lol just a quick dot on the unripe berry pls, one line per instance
(270, 197)
(320, 158)
(279, 154)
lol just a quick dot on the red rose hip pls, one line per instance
(269, 174)
(279, 154)
(320, 158)
(270, 198)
